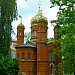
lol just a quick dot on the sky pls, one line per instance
(28, 9)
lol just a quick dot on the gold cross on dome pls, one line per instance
(39, 10)
(39, 4)
(20, 18)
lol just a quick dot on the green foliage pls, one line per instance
(8, 11)
(49, 40)
(27, 36)
(7, 14)
(8, 66)
(66, 19)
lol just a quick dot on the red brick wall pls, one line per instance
(20, 35)
(25, 64)
(28, 66)
(42, 68)
(41, 49)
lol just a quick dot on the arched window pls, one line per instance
(20, 33)
(29, 56)
(51, 67)
(23, 55)
(50, 55)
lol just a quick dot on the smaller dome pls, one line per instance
(39, 17)
(20, 25)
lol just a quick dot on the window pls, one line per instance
(50, 55)
(20, 33)
(51, 69)
(22, 55)
(34, 34)
(28, 55)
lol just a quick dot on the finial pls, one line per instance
(20, 18)
(39, 4)
(20, 24)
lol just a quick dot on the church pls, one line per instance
(36, 56)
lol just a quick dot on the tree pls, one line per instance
(8, 66)
(27, 36)
(66, 19)
(8, 12)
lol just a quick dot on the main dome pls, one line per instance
(38, 18)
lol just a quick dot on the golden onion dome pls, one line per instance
(38, 18)
(20, 25)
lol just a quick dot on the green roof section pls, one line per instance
(26, 45)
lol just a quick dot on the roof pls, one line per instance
(26, 45)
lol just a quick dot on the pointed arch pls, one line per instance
(23, 55)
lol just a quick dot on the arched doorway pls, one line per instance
(51, 68)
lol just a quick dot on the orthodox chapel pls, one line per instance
(36, 56)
